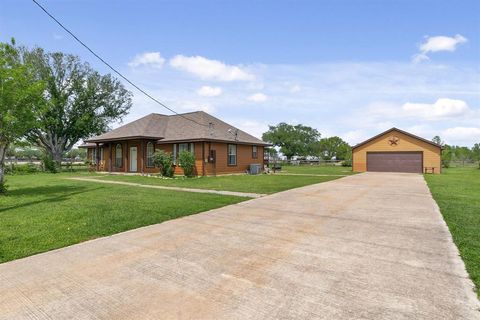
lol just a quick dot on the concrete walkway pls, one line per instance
(225, 193)
(368, 246)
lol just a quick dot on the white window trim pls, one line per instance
(231, 154)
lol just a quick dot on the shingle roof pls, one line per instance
(175, 128)
(398, 130)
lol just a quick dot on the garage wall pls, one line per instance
(431, 153)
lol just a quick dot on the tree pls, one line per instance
(79, 101)
(293, 140)
(476, 153)
(331, 147)
(438, 140)
(463, 154)
(447, 155)
(20, 99)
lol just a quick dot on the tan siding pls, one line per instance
(431, 153)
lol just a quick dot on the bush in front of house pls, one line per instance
(186, 160)
(164, 161)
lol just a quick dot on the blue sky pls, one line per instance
(347, 68)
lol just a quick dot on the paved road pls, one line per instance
(369, 246)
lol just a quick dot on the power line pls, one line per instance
(112, 68)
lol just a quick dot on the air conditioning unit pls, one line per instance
(255, 168)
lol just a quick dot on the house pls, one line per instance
(219, 148)
(396, 150)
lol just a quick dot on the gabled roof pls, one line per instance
(193, 126)
(401, 131)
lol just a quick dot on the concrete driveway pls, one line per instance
(369, 246)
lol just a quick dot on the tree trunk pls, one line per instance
(3, 150)
(57, 158)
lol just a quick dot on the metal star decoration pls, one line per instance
(393, 141)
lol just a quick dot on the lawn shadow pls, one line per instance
(54, 193)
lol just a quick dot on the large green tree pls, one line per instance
(293, 140)
(80, 102)
(476, 153)
(20, 100)
(333, 147)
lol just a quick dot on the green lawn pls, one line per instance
(316, 169)
(243, 183)
(457, 192)
(47, 211)
(44, 211)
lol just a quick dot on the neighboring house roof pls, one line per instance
(177, 128)
(398, 130)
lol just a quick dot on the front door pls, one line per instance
(133, 159)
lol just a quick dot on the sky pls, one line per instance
(347, 68)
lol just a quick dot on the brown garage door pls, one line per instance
(395, 161)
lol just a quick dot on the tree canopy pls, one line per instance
(79, 102)
(293, 140)
(20, 99)
(333, 147)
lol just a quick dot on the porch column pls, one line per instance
(97, 156)
(110, 158)
(142, 159)
(125, 163)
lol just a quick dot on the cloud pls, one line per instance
(257, 97)
(207, 91)
(295, 88)
(207, 69)
(463, 135)
(442, 43)
(443, 108)
(436, 44)
(148, 59)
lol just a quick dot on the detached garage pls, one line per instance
(396, 150)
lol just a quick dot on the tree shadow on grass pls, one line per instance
(54, 194)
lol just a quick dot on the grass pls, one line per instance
(316, 169)
(42, 212)
(457, 192)
(45, 211)
(266, 184)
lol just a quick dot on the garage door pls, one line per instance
(395, 161)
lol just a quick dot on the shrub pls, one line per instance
(347, 163)
(21, 168)
(187, 162)
(48, 164)
(164, 161)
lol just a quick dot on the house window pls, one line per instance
(118, 156)
(177, 148)
(254, 152)
(101, 154)
(232, 155)
(150, 154)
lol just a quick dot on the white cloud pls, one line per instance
(207, 91)
(461, 135)
(208, 69)
(443, 108)
(295, 88)
(257, 97)
(436, 44)
(148, 59)
(442, 43)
